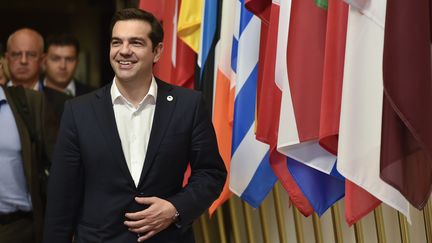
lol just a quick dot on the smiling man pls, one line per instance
(122, 151)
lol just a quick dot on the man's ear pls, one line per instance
(158, 52)
(43, 61)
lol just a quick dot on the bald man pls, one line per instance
(24, 54)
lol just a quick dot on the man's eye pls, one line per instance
(70, 59)
(16, 54)
(137, 43)
(32, 54)
(55, 59)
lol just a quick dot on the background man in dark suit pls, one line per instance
(22, 166)
(122, 151)
(61, 61)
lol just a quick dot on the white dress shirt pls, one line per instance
(134, 125)
(36, 87)
(70, 88)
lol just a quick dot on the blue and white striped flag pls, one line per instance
(251, 176)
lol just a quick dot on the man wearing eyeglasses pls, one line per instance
(24, 55)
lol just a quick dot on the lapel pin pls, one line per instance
(169, 98)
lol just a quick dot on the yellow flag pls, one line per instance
(189, 23)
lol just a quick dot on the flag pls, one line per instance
(251, 176)
(210, 32)
(167, 14)
(223, 104)
(361, 108)
(269, 95)
(176, 65)
(298, 135)
(337, 16)
(189, 23)
(358, 202)
(157, 8)
(183, 56)
(300, 108)
(406, 142)
(262, 9)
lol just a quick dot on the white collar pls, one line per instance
(116, 96)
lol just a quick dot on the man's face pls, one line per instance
(24, 56)
(60, 64)
(131, 53)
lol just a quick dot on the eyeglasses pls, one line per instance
(32, 55)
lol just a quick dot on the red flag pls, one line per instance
(181, 70)
(358, 202)
(260, 8)
(157, 8)
(166, 13)
(184, 67)
(269, 98)
(337, 16)
(406, 141)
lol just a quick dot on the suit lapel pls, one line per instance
(103, 109)
(165, 105)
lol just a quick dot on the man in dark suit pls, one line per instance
(22, 162)
(122, 151)
(61, 61)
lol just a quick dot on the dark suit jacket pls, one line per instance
(31, 153)
(90, 188)
(81, 88)
(54, 101)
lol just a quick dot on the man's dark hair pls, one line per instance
(156, 34)
(62, 40)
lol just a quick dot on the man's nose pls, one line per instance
(125, 49)
(24, 58)
(63, 63)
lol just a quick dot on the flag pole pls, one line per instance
(379, 224)
(298, 225)
(221, 225)
(204, 228)
(317, 228)
(358, 232)
(248, 220)
(403, 226)
(279, 214)
(234, 219)
(336, 223)
(428, 221)
(264, 222)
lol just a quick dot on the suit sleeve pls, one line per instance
(65, 183)
(208, 171)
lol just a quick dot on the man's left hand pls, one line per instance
(148, 222)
